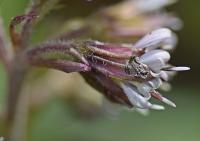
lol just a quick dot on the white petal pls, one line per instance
(144, 89)
(167, 75)
(152, 5)
(177, 69)
(157, 107)
(154, 55)
(156, 38)
(170, 43)
(164, 75)
(155, 59)
(167, 101)
(144, 112)
(136, 99)
(155, 83)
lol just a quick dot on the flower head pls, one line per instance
(130, 74)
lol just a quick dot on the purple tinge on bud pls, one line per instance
(114, 61)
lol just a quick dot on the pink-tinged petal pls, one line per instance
(155, 39)
(176, 69)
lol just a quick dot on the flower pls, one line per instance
(127, 74)
(130, 74)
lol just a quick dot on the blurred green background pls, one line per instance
(55, 120)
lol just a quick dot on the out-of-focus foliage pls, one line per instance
(55, 122)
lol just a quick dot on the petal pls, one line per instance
(144, 112)
(167, 101)
(158, 96)
(170, 43)
(146, 87)
(136, 99)
(167, 75)
(152, 5)
(155, 83)
(144, 90)
(155, 59)
(157, 107)
(164, 75)
(177, 69)
(156, 38)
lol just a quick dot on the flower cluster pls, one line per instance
(129, 70)
(126, 73)
(130, 74)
